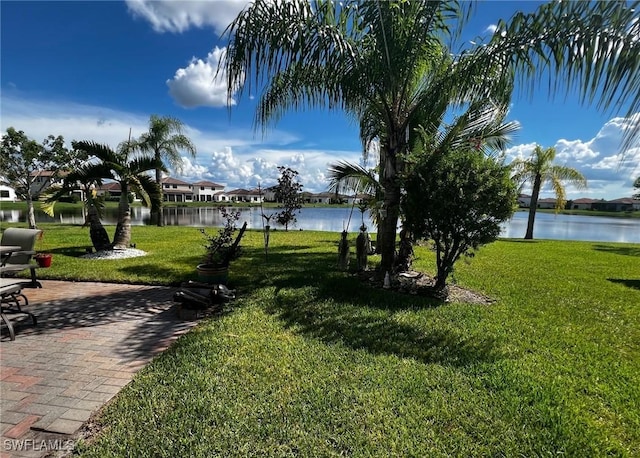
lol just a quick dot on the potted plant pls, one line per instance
(43, 258)
(221, 249)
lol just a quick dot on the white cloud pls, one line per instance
(522, 151)
(235, 157)
(247, 169)
(179, 16)
(40, 118)
(193, 170)
(231, 156)
(574, 150)
(198, 85)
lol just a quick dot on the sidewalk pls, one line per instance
(90, 340)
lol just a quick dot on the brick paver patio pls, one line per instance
(91, 338)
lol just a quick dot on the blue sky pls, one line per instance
(93, 70)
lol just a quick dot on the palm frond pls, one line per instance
(592, 47)
(148, 190)
(347, 177)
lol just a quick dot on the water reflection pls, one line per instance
(547, 226)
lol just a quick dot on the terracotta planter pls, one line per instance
(44, 259)
(213, 274)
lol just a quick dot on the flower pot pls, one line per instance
(44, 260)
(213, 274)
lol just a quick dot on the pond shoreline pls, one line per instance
(548, 226)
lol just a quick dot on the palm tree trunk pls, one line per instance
(533, 206)
(389, 222)
(122, 237)
(156, 210)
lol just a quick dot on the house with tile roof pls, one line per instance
(547, 203)
(244, 195)
(174, 190)
(208, 191)
(583, 203)
(624, 204)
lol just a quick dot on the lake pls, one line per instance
(333, 219)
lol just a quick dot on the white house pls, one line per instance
(206, 191)
(269, 194)
(221, 196)
(524, 200)
(7, 194)
(357, 199)
(318, 198)
(244, 195)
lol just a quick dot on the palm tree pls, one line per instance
(386, 64)
(539, 170)
(130, 171)
(165, 140)
(482, 127)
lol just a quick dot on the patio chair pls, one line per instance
(10, 297)
(18, 261)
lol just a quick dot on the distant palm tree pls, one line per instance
(539, 170)
(165, 140)
(380, 61)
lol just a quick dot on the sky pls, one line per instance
(91, 70)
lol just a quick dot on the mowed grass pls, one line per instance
(310, 362)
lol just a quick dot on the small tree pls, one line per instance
(289, 195)
(23, 159)
(636, 186)
(458, 199)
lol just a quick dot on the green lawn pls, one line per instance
(309, 362)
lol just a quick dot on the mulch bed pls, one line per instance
(421, 284)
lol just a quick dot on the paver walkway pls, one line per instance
(91, 338)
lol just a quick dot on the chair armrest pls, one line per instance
(17, 267)
(31, 252)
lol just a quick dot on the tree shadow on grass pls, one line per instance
(633, 284)
(336, 308)
(621, 250)
(380, 333)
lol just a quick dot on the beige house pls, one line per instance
(583, 203)
(546, 203)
